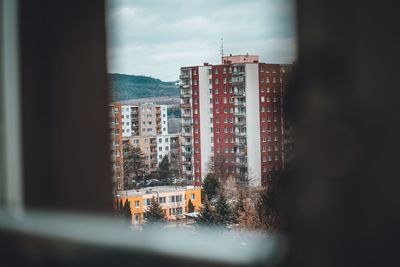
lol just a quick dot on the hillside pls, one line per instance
(125, 87)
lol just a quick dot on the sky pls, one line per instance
(157, 37)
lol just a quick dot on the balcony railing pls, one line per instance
(184, 75)
(239, 144)
(187, 123)
(187, 143)
(185, 85)
(186, 134)
(240, 133)
(239, 104)
(186, 115)
(236, 82)
(240, 114)
(240, 123)
(185, 105)
(185, 94)
(237, 73)
(239, 93)
(186, 153)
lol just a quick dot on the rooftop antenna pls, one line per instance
(222, 50)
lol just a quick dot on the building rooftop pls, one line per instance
(152, 190)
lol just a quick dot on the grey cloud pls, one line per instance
(157, 37)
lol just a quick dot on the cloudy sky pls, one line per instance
(155, 38)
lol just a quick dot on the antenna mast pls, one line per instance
(222, 50)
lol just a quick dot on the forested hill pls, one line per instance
(124, 87)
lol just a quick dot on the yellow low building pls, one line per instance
(173, 200)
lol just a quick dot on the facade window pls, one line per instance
(216, 81)
(216, 90)
(136, 204)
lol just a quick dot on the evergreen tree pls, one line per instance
(134, 164)
(164, 169)
(211, 186)
(207, 216)
(190, 206)
(224, 213)
(154, 213)
(126, 211)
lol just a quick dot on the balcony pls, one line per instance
(239, 93)
(187, 163)
(185, 105)
(153, 144)
(239, 104)
(240, 114)
(185, 85)
(239, 144)
(187, 143)
(187, 123)
(185, 94)
(186, 153)
(240, 133)
(241, 163)
(240, 123)
(238, 73)
(184, 75)
(240, 153)
(186, 134)
(186, 115)
(237, 82)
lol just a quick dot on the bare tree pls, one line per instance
(222, 167)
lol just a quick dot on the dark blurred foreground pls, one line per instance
(341, 199)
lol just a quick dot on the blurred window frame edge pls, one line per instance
(11, 192)
(12, 195)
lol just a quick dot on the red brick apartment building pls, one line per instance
(232, 112)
